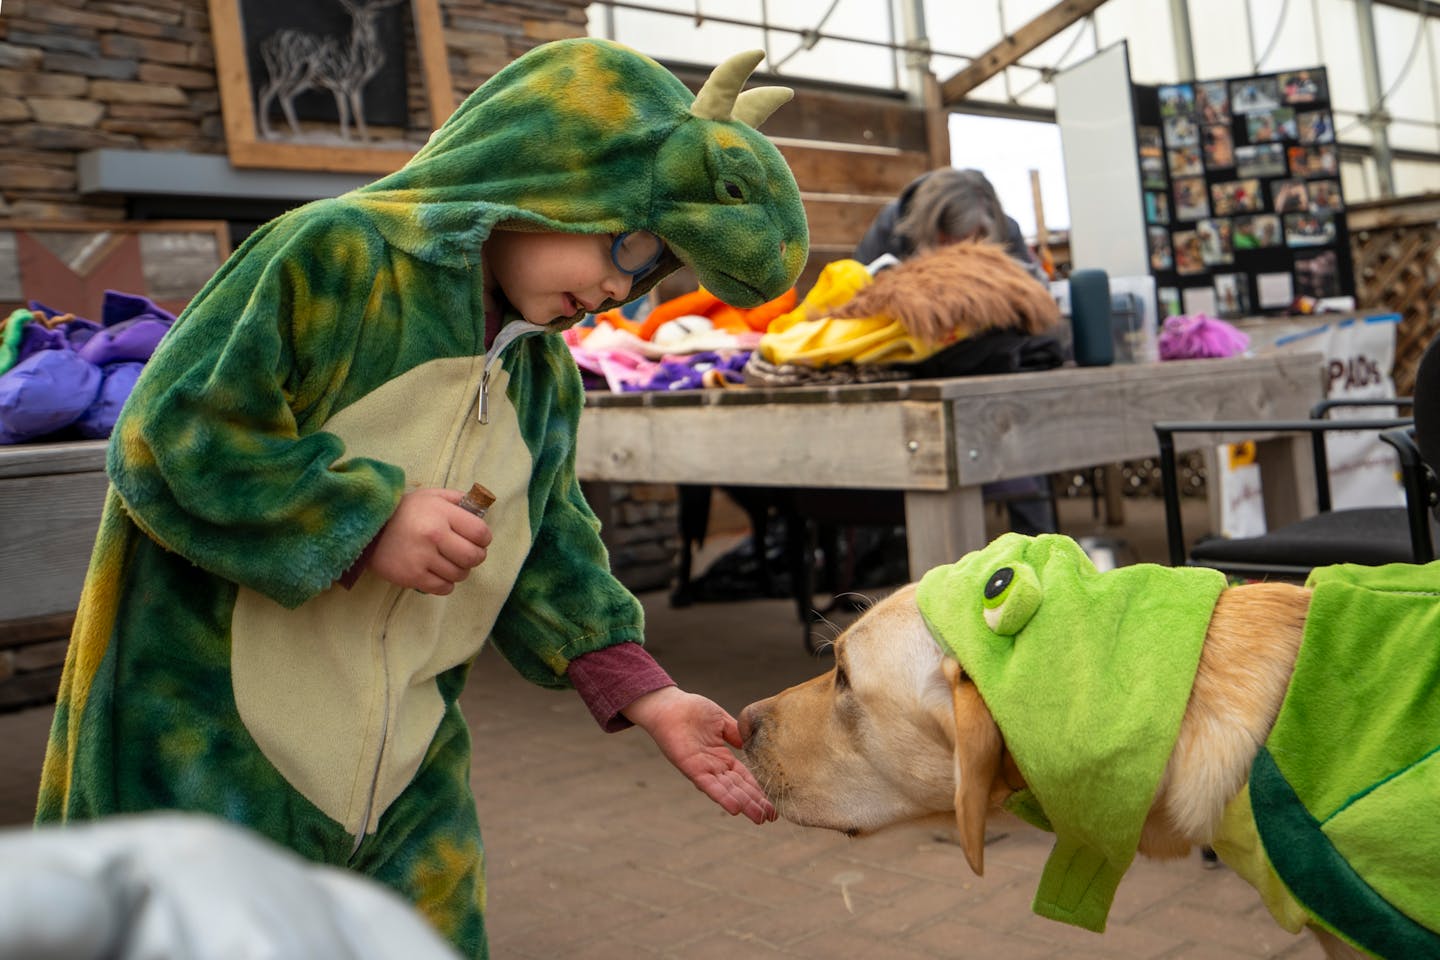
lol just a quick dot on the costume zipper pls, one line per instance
(508, 334)
(384, 729)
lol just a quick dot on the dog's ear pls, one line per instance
(978, 747)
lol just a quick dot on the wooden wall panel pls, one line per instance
(838, 220)
(835, 168)
(1396, 248)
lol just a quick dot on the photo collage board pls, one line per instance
(1241, 180)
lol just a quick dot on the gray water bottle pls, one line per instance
(1094, 344)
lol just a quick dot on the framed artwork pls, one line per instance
(1213, 102)
(1160, 256)
(1232, 294)
(325, 85)
(1191, 203)
(1219, 146)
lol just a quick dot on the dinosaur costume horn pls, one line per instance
(716, 99)
(754, 106)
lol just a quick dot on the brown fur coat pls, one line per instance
(957, 291)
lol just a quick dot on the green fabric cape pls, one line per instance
(1346, 791)
(1088, 683)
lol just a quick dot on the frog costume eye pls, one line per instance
(1011, 597)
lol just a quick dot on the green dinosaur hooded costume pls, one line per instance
(337, 359)
(1087, 675)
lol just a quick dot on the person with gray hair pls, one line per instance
(951, 205)
(940, 207)
(947, 206)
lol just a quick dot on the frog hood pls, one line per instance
(1087, 675)
(588, 136)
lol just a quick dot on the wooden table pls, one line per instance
(936, 440)
(939, 440)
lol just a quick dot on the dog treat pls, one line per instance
(478, 500)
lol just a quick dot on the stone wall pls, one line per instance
(79, 75)
(640, 530)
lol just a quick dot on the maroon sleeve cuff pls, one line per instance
(348, 578)
(611, 679)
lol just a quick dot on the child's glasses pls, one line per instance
(635, 252)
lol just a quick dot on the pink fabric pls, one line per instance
(1197, 335)
(611, 679)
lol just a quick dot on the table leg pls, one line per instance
(941, 527)
(1287, 475)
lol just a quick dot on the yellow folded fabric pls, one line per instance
(807, 335)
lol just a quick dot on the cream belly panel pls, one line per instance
(339, 694)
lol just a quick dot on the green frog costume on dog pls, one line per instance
(1087, 675)
(337, 359)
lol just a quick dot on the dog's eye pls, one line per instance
(1011, 596)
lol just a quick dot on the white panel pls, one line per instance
(1006, 151)
(1412, 177)
(1220, 37)
(1350, 129)
(965, 28)
(1287, 29)
(1357, 180)
(1412, 136)
(1040, 95)
(1404, 67)
(668, 37)
(839, 62)
(1071, 45)
(1152, 56)
(992, 90)
(1340, 38)
(1095, 110)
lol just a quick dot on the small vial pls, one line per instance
(478, 500)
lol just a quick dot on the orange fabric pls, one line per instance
(616, 319)
(698, 302)
(729, 319)
(722, 316)
(759, 318)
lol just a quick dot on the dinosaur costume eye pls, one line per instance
(1012, 595)
(730, 191)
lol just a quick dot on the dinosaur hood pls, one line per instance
(588, 136)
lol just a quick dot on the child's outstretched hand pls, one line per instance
(693, 733)
(430, 543)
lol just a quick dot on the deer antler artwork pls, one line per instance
(297, 61)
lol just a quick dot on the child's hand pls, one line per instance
(693, 732)
(430, 543)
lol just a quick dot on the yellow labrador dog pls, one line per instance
(899, 730)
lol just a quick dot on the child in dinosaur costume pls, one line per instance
(312, 418)
(1088, 674)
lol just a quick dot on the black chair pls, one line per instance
(1369, 535)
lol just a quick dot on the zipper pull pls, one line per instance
(485, 395)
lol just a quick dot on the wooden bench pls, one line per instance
(50, 500)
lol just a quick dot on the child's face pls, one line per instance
(554, 276)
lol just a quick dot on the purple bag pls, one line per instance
(127, 340)
(99, 418)
(131, 326)
(37, 337)
(44, 392)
